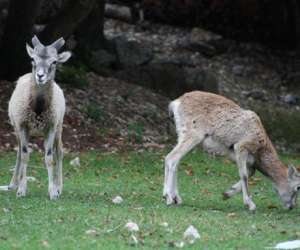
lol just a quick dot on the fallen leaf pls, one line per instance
(189, 171)
(272, 206)
(226, 161)
(206, 192)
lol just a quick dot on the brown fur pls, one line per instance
(223, 127)
(216, 111)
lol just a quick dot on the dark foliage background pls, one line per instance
(273, 22)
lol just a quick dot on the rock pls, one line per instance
(166, 79)
(199, 79)
(118, 12)
(101, 61)
(169, 79)
(205, 42)
(238, 70)
(200, 35)
(204, 48)
(132, 53)
(293, 78)
(290, 99)
(256, 94)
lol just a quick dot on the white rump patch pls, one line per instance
(174, 108)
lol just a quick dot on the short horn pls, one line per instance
(36, 42)
(58, 44)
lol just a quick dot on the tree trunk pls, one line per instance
(18, 31)
(68, 19)
(90, 37)
(294, 21)
(89, 33)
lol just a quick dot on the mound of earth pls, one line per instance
(108, 114)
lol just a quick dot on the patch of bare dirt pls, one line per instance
(108, 114)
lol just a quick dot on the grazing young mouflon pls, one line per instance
(224, 128)
(38, 105)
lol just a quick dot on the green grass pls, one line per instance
(35, 222)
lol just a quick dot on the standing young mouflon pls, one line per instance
(38, 105)
(222, 127)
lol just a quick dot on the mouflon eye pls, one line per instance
(298, 188)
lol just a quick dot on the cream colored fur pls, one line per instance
(25, 121)
(224, 128)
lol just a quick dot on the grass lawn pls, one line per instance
(35, 222)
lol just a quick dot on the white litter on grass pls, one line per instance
(132, 227)
(191, 234)
(4, 188)
(117, 200)
(6, 210)
(179, 244)
(31, 178)
(164, 224)
(75, 162)
(294, 244)
(92, 232)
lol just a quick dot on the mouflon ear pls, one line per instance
(29, 50)
(64, 56)
(292, 172)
